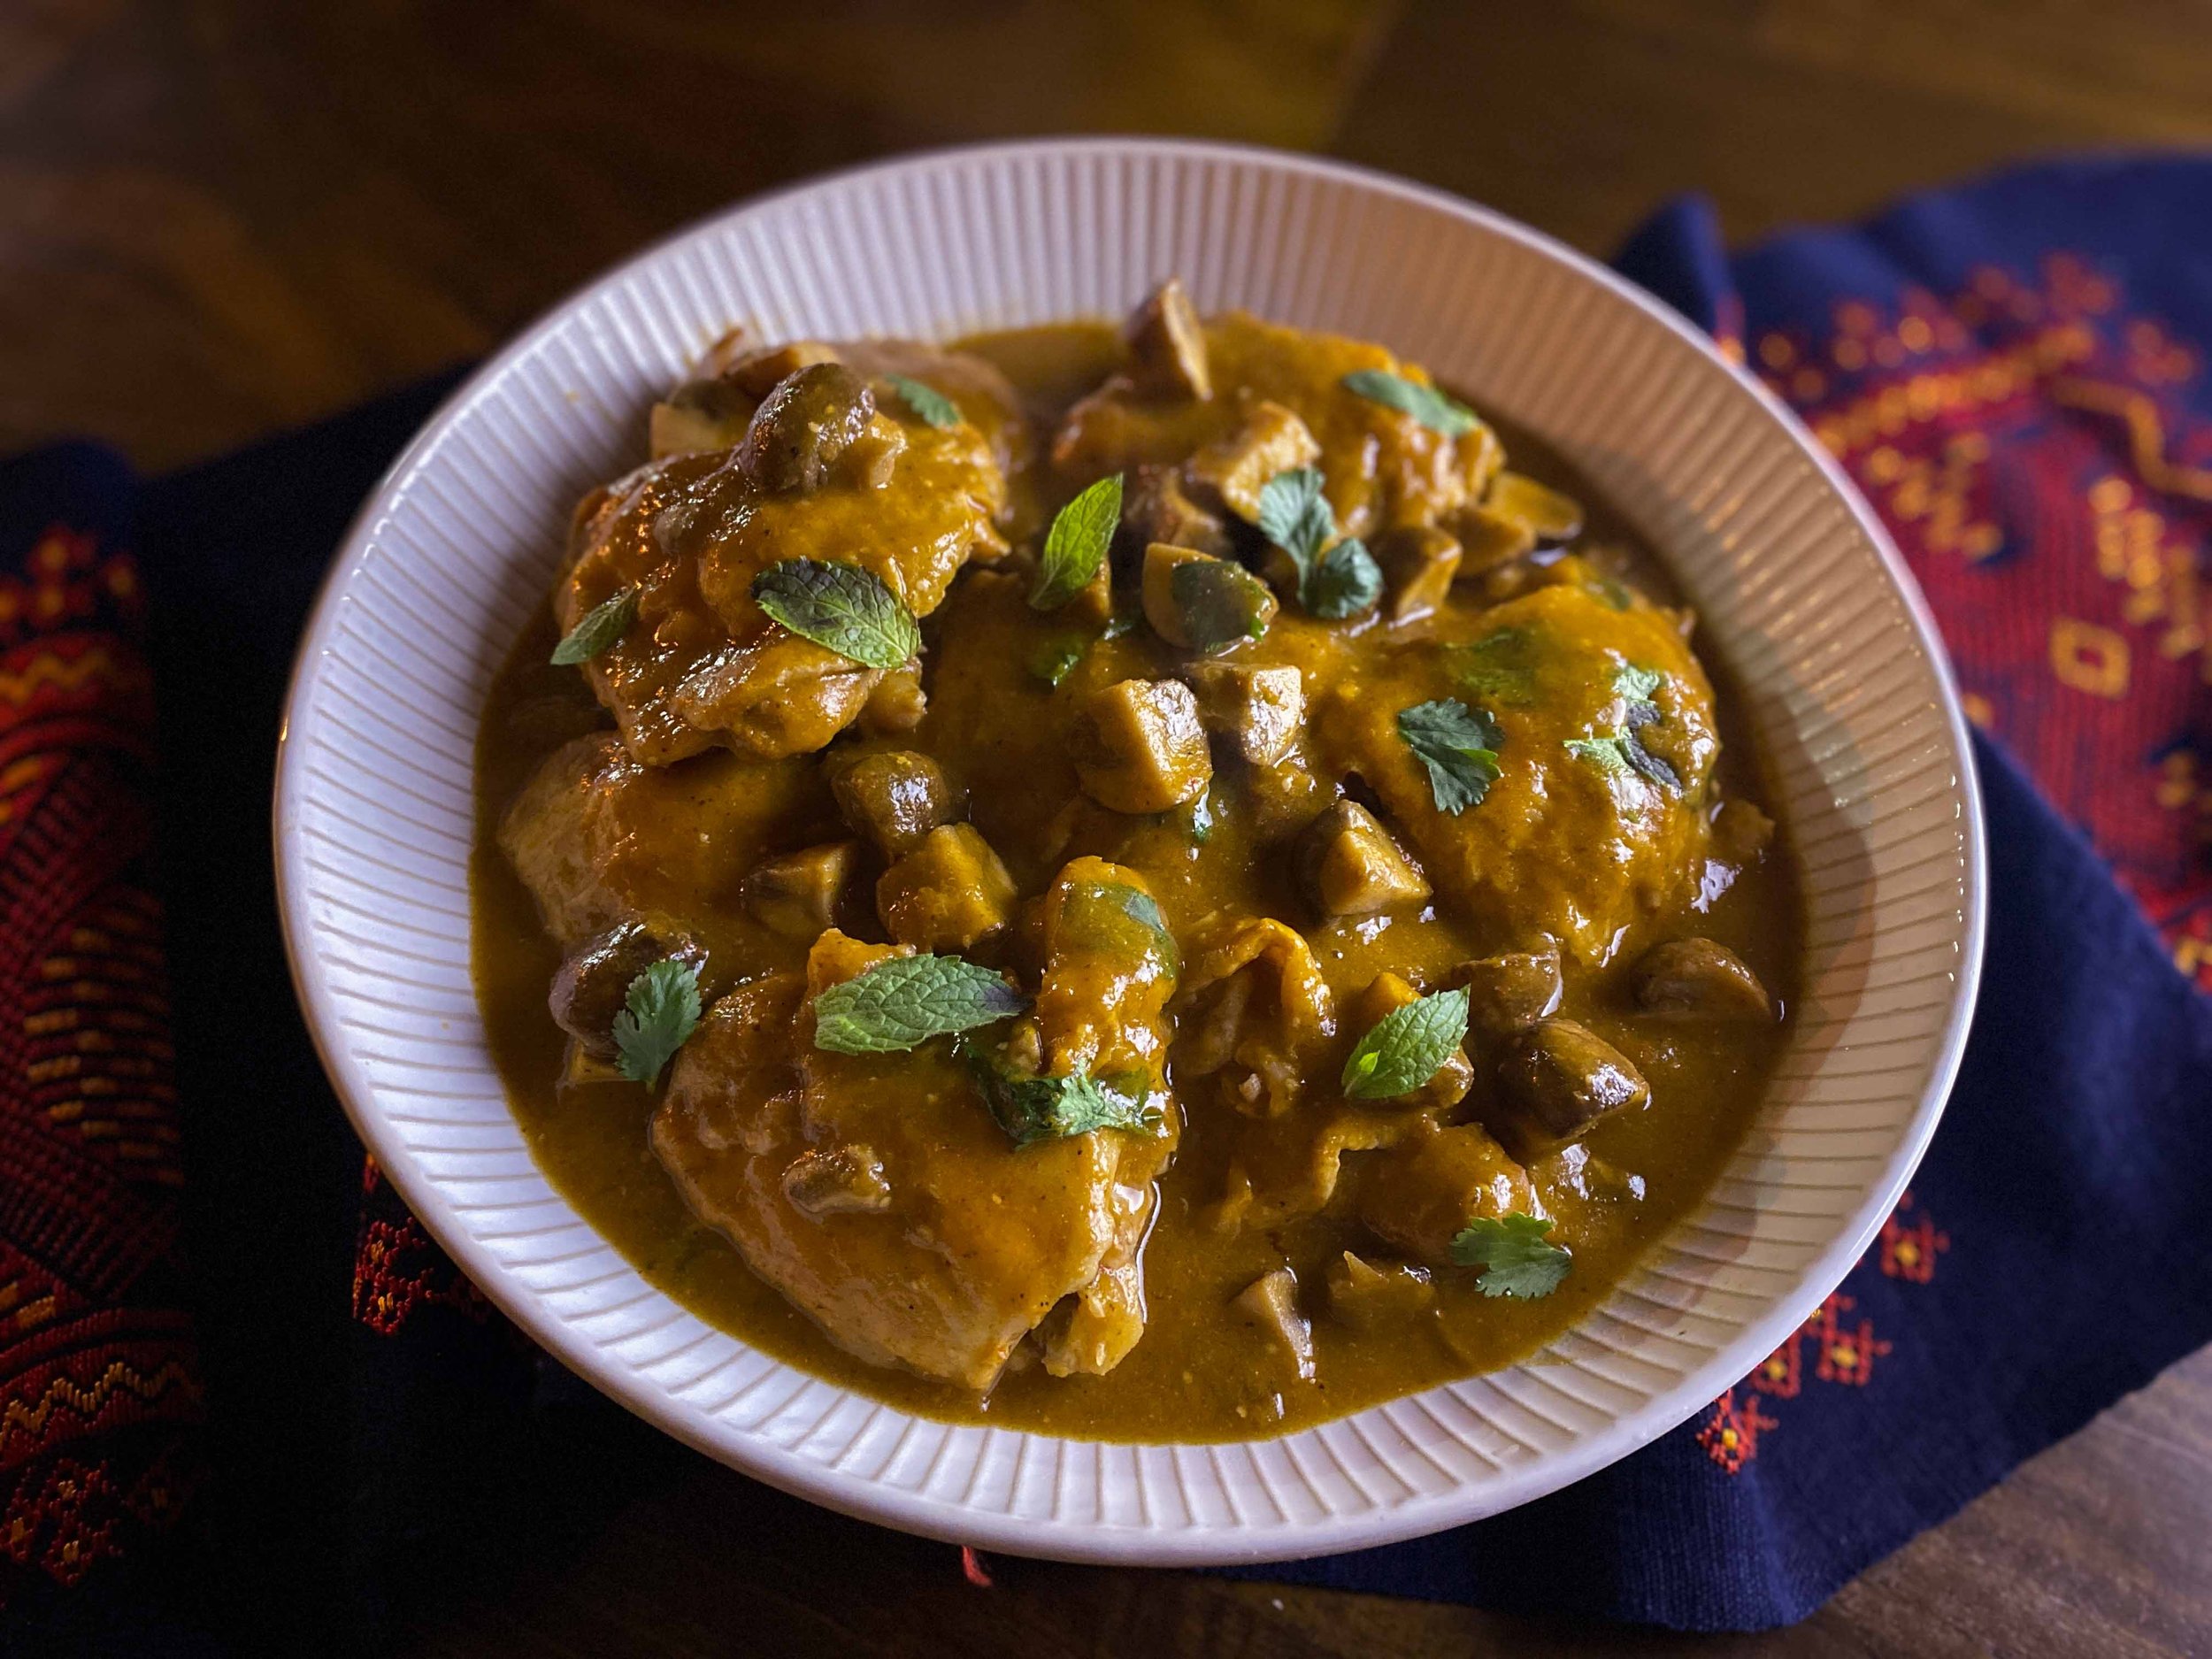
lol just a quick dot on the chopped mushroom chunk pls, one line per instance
(1559, 1078)
(798, 894)
(806, 426)
(951, 892)
(1139, 747)
(1418, 564)
(1273, 440)
(1349, 865)
(1258, 710)
(895, 797)
(1376, 1295)
(1695, 979)
(1550, 516)
(1512, 991)
(1271, 1302)
(589, 988)
(839, 1181)
(1202, 603)
(1167, 348)
(1156, 508)
(1386, 994)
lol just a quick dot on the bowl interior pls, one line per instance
(1798, 591)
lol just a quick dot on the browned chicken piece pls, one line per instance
(1256, 1011)
(986, 399)
(1349, 866)
(1418, 564)
(1422, 1195)
(1259, 711)
(1558, 1079)
(1155, 507)
(598, 838)
(1167, 347)
(895, 797)
(1385, 469)
(1271, 1301)
(1139, 747)
(949, 893)
(1696, 979)
(820, 473)
(926, 1238)
(1511, 991)
(801, 894)
(1379, 1294)
(1386, 994)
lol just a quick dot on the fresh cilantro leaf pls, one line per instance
(1406, 1046)
(601, 629)
(1517, 1259)
(1295, 515)
(1076, 545)
(1196, 820)
(1054, 660)
(893, 1004)
(1458, 745)
(1611, 754)
(1345, 582)
(1637, 685)
(658, 1017)
(1033, 1108)
(1621, 751)
(843, 608)
(1499, 667)
(932, 406)
(1426, 403)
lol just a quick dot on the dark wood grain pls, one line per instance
(221, 216)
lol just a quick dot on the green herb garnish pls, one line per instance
(658, 1017)
(1517, 1259)
(1609, 754)
(1333, 581)
(1075, 547)
(1499, 667)
(1033, 1108)
(1054, 660)
(1637, 684)
(1623, 750)
(1458, 745)
(843, 608)
(932, 406)
(603, 627)
(894, 1004)
(1406, 1047)
(1426, 404)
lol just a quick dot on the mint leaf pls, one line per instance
(1517, 1259)
(1054, 660)
(1609, 754)
(1033, 1108)
(1076, 545)
(1637, 685)
(932, 406)
(893, 1004)
(1432, 408)
(1458, 745)
(1406, 1046)
(843, 608)
(601, 629)
(658, 1017)
(1295, 515)
(1620, 751)
(1345, 582)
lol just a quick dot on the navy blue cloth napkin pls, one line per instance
(2054, 1252)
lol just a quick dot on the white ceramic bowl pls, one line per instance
(1799, 589)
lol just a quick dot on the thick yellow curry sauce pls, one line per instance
(1568, 853)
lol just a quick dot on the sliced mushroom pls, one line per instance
(1377, 1295)
(699, 415)
(592, 984)
(1551, 517)
(1559, 1078)
(799, 894)
(836, 1181)
(1156, 508)
(1138, 746)
(1418, 564)
(1271, 1302)
(895, 797)
(951, 892)
(1512, 991)
(1203, 603)
(1349, 866)
(805, 427)
(1273, 440)
(1386, 994)
(1258, 710)
(1167, 347)
(1695, 979)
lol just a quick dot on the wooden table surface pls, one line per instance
(220, 217)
